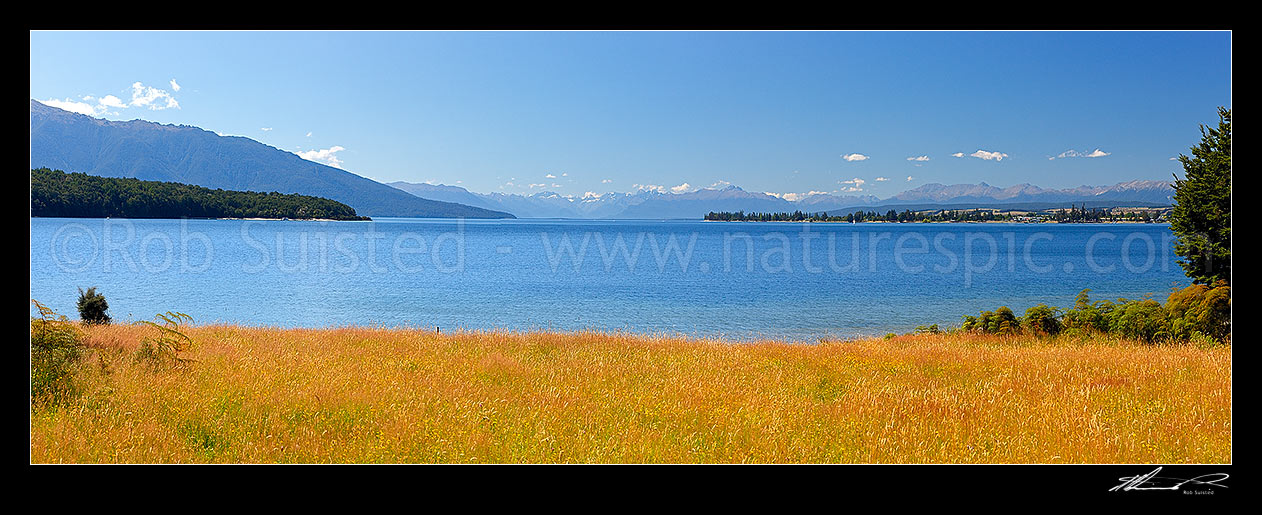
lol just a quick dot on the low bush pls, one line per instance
(999, 321)
(56, 349)
(1200, 309)
(1196, 314)
(1041, 319)
(1143, 320)
(928, 329)
(92, 307)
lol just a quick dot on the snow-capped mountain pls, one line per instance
(655, 203)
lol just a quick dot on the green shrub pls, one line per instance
(1141, 320)
(999, 321)
(1004, 321)
(92, 307)
(1087, 317)
(1041, 319)
(1200, 309)
(930, 329)
(1198, 314)
(56, 349)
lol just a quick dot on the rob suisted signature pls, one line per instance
(1151, 481)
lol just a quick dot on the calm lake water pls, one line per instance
(734, 280)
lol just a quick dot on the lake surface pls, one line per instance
(737, 280)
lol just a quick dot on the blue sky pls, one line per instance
(782, 112)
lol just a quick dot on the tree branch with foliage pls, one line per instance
(1201, 217)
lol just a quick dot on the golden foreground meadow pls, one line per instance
(396, 395)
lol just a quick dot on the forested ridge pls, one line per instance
(55, 193)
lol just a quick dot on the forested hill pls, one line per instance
(149, 151)
(55, 193)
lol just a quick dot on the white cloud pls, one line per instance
(566, 174)
(111, 101)
(151, 97)
(549, 176)
(1074, 153)
(794, 197)
(988, 155)
(856, 184)
(266, 129)
(649, 187)
(606, 181)
(918, 158)
(909, 178)
(683, 188)
(141, 96)
(175, 86)
(958, 154)
(327, 156)
(720, 182)
(71, 105)
(1174, 159)
(555, 185)
(308, 134)
(855, 157)
(102, 106)
(882, 179)
(540, 185)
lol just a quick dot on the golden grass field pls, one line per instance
(396, 395)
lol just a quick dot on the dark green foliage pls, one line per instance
(1041, 319)
(1198, 313)
(969, 215)
(929, 329)
(1201, 217)
(1002, 321)
(1143, 320)
(1200, 310)
(1072, 214)
(163, 350)
(92, 307)
(1086, 317)
(999, 321)
(56, 349)
(58, 194)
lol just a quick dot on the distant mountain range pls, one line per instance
(641, 204)
(73, 142)
(695, 204)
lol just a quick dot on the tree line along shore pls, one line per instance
(1071, 214)
(55, 193)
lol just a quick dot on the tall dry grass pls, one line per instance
(397, 395)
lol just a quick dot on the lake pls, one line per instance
(735, 280)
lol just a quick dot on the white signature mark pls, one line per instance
(1151, 481)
